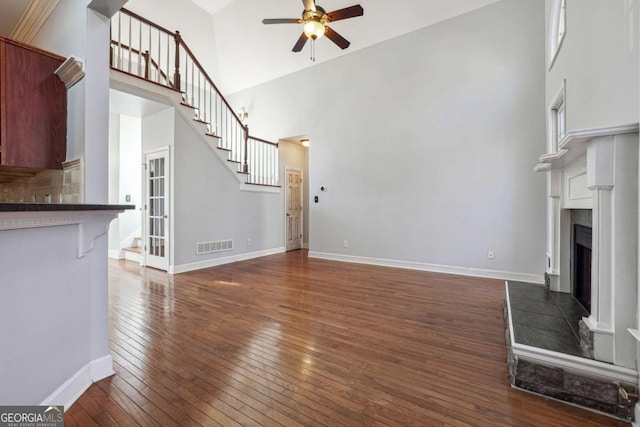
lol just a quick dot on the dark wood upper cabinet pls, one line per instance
(33, 107)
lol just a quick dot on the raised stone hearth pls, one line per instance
(592, 255)
(543, 334)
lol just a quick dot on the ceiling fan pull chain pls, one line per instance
(313, 50)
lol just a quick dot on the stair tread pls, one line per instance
(213, 135)
(136, 249)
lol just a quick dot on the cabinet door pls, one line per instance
(33, 109)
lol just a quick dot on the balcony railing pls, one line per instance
(149, 51)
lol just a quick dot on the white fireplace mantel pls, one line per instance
(597, 169)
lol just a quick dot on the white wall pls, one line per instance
(209, 206)
(114, 182)
(130, 176)
(426, 143)
(125, 178)
(52, 340)
(599, 60)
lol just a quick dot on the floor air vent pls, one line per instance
(210, 247)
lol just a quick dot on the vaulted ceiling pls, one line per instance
(248, 53)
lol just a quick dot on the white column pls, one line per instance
(612, 175)
(625, 247)
(553, 229)
(600, 182)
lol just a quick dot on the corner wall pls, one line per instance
(426, 143)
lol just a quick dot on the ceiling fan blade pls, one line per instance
(309, 4)
(347, 12)
(300, 43)
(336, 38)
(282, 21)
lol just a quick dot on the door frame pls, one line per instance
(287, 168)
(168, 193)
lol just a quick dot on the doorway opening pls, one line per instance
(294, 155)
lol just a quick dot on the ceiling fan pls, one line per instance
(315, 20)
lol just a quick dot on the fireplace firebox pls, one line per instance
(582, 265)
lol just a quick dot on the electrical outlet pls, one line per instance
(345, 244)
(490, 255)
(249, 242)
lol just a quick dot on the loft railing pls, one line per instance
(149, 51)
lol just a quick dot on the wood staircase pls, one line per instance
(145, 50)
(134, 252)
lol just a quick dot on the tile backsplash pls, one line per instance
(50, 186)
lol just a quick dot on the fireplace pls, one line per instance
(582, 265)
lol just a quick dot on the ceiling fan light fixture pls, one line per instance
(314, 29)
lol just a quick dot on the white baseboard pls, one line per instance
(73, 388)
(434, 268)
(183, 268)
(116, 254)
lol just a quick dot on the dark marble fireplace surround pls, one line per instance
(551, 321)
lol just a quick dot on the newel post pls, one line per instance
(245, 166)
(176, 73)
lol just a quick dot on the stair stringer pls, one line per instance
(142, 88)
(200, 129)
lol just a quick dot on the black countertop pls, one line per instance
(56, 207)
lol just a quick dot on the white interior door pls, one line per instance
(156, 242)
(294, 209)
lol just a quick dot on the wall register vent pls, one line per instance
(211, 247)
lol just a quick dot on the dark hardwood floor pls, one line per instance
(287, 340)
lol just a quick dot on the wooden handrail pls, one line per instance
(146, 21)
(263, 141)
(182, 43)
(206, 76)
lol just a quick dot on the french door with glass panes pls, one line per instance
(156, 242)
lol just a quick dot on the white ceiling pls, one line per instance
(10, 13)
(250, 53)
(134, 106)
(212, 6)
